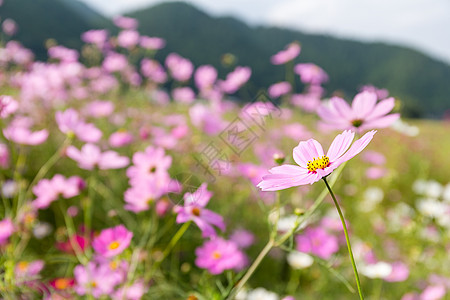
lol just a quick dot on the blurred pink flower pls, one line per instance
(4, 156)
(97, 37)
(150, 164)
(219, 255)
(400, 272)
(63, 54)
(128, 38)
(139, 197)
(374, 157)
(381, 93)
(376, 172)
(76, 239)
(8, 106)
(49, 190)
(125, 22)
(115, 62)
(131, 292)
(120, 138)
(96, 280)
(279, 89)
(364, 114)
(243, 238)
(252, 172)
(318, 242)
(153, 70)
(20, 134)
(70, 123)
(9, 27)
(313, 164)
(26, 271)
(205, 76)
(193, 210)
(6, 230)
(183, 95)
(311, 73)
(99, 108)
(206, 119)
(90, 156)
(289, 53)
(112, 241)
(152, 43)
(235, 80)
(180, 68)
(433, 292)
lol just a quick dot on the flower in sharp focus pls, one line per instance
(112, 241)
(193, 210)
(313, 165)
(364, 114)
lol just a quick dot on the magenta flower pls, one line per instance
(364, 114)
(8, 106)
(128, 38)
(400, 272)
(49, 190)
(153, 70)
(112, 241)
(219, 255)
(120, 138)
(235, 80)
(243, 238)
(292, 51)
(317, 242)
(193, 210)
(279, 89)
(311, 73)
(205, 76)
(90, 156)
(115, 62)
(6, 230)
(152, 43)
(4, 156)
(313, 165)
(180, 67)
(70, 123)
(125, 22)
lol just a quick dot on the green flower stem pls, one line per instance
(88, 207)
(172, 244)
(71, 234)
(358, 284)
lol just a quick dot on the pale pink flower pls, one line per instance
(9, 27)
(243, 238)
(8, 106)
(128, 38)
(99, 108)
(23, 135)
(235, 80)
(63, 54)
(90, 156)
(49, 190)
(153, 70)
(180, 68)
(4, 156)
(381, 93)
(317, 242)
(6, 230)
(183, 95)
(133, 292)
(364, 114)
(151, 164)
(96, 280)
(115, 62)
(205, 76)
(433, 292)
(289, 53)
(152, 43)
(125, 22)
(219, 255)
(279, 89)
(206, 118)
(97, 37)
(26, 271)
(194, 210)
(311, 73)
(120, 138)
(400, 272)
(70, 123)
(376, 172)
(313, 165)
(112, 241)
(374, 157)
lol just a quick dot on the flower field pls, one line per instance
(123, 177)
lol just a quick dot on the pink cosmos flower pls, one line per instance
(292, 51)
(243, 238)
(125, 22)
(180, 67)
(183, 95)
(99, 108)
(4, 156)
(313, 165)
(63, 54)
(133, 292)
(433, 292)
(381, 93)
(235, 80)
(70, 123)
(96, 280)
(97, 37)
(149, 164)
(9, 27)
(153, 70)
(90, 156)
(206, 118)
(318, 242)
(48, 190)
(365, 113)
(112, 241)
(115, 62)
(152, 43)
(8, 106)
(25, 271)
(279, 89)
(400, 272)
(6, 230)
(21, 134)
(219, 255)
(120, 138)
(128, 38)
(193, 210)
(311, 73)
(205, 76)
(139, 197)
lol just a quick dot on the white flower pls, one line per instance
(446, 193)
(372, 196)
(41, 230)
(404, 128)
(9, 188)
(432, 208)
(261, 294)
(380, 269)
(286, 223)
(299, 260)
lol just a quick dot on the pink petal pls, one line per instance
(286, 176)
(307, 151)
(363, 104)
(357, 147)
(381, 109)
(342, 107)
(340, 144)
(381, 122)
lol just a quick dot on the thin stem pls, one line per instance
(350, 252)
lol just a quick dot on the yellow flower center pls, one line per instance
(23, 265)
(216, 255)
(93, 284)
(318, 163)
(61, 283)
(114, 245)
(196, 211)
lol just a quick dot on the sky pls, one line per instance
(421, 24)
